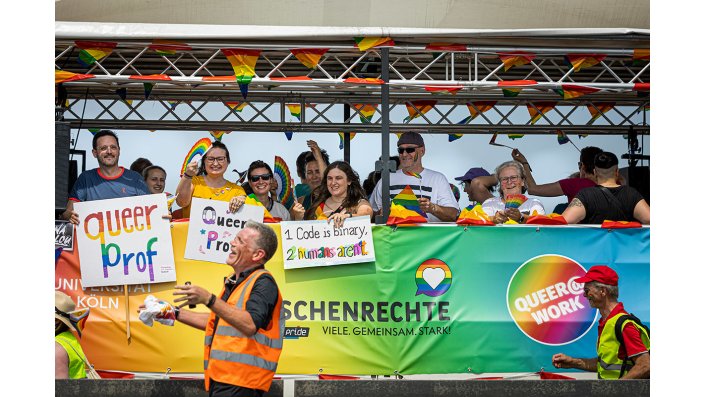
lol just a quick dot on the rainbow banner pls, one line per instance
(433, 302)
(570, 91)
(539, 109)
(366, 112)
(584, 61)
(417, 108)
(309, 57)
(598, 109)
(285, 183)
(365, 43)
(92, 51)
(517, 58)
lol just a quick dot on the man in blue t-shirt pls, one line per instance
(107, 181)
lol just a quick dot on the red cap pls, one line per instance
(600, 273)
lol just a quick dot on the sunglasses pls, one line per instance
(256, 178)
(408, 150)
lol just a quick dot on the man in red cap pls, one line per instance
(615, 360)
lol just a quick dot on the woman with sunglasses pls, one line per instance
(207, 181)
(512, 181)
(339, 197)
(260, 180)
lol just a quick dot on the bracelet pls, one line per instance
(187, 176)
(211, 301)
(177, 311)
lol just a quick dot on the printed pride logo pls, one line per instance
(546, 303)
(433, 278)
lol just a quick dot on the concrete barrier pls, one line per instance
(365, 388)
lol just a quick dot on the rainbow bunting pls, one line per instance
(365, 43)
(584, 61)
(243, 62)
(198, 149)
(417, 108)
(512, 88)
(173, 104)
(597, 109)
(122, 93)
(309, 57)
(218, 134)
(452, 47)
(166, 47)
(148, 90)
(539, 109)
(517, 58)
(511, 92)
(454, 137)
(366, 112)
(569, 91)
(365, 81)
(443, 89)
(236, 106)
(92, 51)
(62, 76)
(251, 199)
(477, 108)
(285, 183)
(562, 137)
(474, 215)
(641, 56)
(342, 139)
(295, 110)
(93, 130)
(289, 135)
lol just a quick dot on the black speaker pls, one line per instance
(638, 178)
(62, 143)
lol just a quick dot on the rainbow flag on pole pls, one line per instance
(562, 137)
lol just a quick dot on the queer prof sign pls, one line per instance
(125, 241)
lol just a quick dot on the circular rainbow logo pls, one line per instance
(433, 278)
(546, 303)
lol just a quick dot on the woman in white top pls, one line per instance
(511, 181)
(260, 179)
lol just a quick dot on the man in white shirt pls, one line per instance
(430, 187)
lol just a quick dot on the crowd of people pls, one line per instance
(334, 191)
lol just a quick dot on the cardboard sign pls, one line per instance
(212, 227)
(63, 235)
(318, 243)
(125, 241)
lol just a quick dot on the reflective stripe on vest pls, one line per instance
(609, 365)
(226, 330)
(245, 359)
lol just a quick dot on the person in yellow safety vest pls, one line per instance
(245, 328)
(601, 290)
(69, 359)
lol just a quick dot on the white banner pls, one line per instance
(318, 243)
(212, 227)
(125, 241)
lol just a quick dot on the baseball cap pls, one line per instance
(473, 173)
(600, 273)
(411, 138)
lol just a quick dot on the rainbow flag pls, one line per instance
(408, 200)
(366, 112)
(452, 47)
(295, 110)
(584, 61)
(539, 109)
(62, 76)
(148, 89)
(364, 81)
(365, 43)
(251, 199)
(570, 91)
(641, 56)
(342, 139)
(309, 57)
(285, 183)
(512, 88)
(166, 47)
(399, 215)
(243, 62)
(454, 137)
(597, 109)
(477, 108)
(236, 106)
(562, 137)
(517, 58)
(474, 216)
(92, 51)
(443, 89)
(417, 108)
(218, 134)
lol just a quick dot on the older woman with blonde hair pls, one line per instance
(512, 184)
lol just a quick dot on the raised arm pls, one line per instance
(546, 190)
(184, 190)
(313, 145)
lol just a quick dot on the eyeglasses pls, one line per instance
(211, 160)
(105, 148)
(256, 178)
(512, 178)
(408, 150)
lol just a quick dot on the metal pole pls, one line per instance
(383, 164)
(346, 135)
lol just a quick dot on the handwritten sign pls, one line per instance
(63, 235)
(125, 241)
(212, 227)
(317, 243)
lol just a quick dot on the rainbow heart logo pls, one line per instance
(433, 278)
(546, 303)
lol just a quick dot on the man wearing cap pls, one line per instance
(430, 187)
(608, 200)
(475, 185)
(615, 360)
(68, 356)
